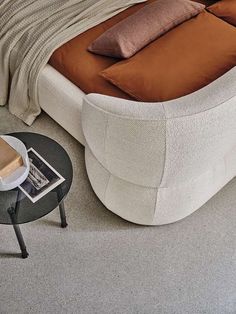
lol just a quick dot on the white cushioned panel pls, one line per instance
(177, 202)
(131, 202)
(122, 144)
(203, 139)
(128, 143)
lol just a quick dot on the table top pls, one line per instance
(25, 210)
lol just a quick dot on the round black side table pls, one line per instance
(16, 208)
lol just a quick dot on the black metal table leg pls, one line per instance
(18, 233)
(61, 207)
(62, 214)
(21, 242)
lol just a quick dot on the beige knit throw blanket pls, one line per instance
(30, 30)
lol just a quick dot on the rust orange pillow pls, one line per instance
(225, 9)
(182, 61)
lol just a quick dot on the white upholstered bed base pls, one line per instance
(62, 101)
(150, 163)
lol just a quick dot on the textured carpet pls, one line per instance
(103, 264)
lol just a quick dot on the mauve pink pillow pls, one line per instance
(130, 35)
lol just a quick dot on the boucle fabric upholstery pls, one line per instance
(156, 163)
(62, 101)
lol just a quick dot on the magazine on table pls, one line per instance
(42, 177)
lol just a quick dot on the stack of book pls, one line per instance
(10, 159)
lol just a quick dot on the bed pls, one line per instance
(150, 163)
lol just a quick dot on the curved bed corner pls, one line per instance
(156, 163)
(150, 163)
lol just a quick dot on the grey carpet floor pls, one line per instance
(103, 264)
